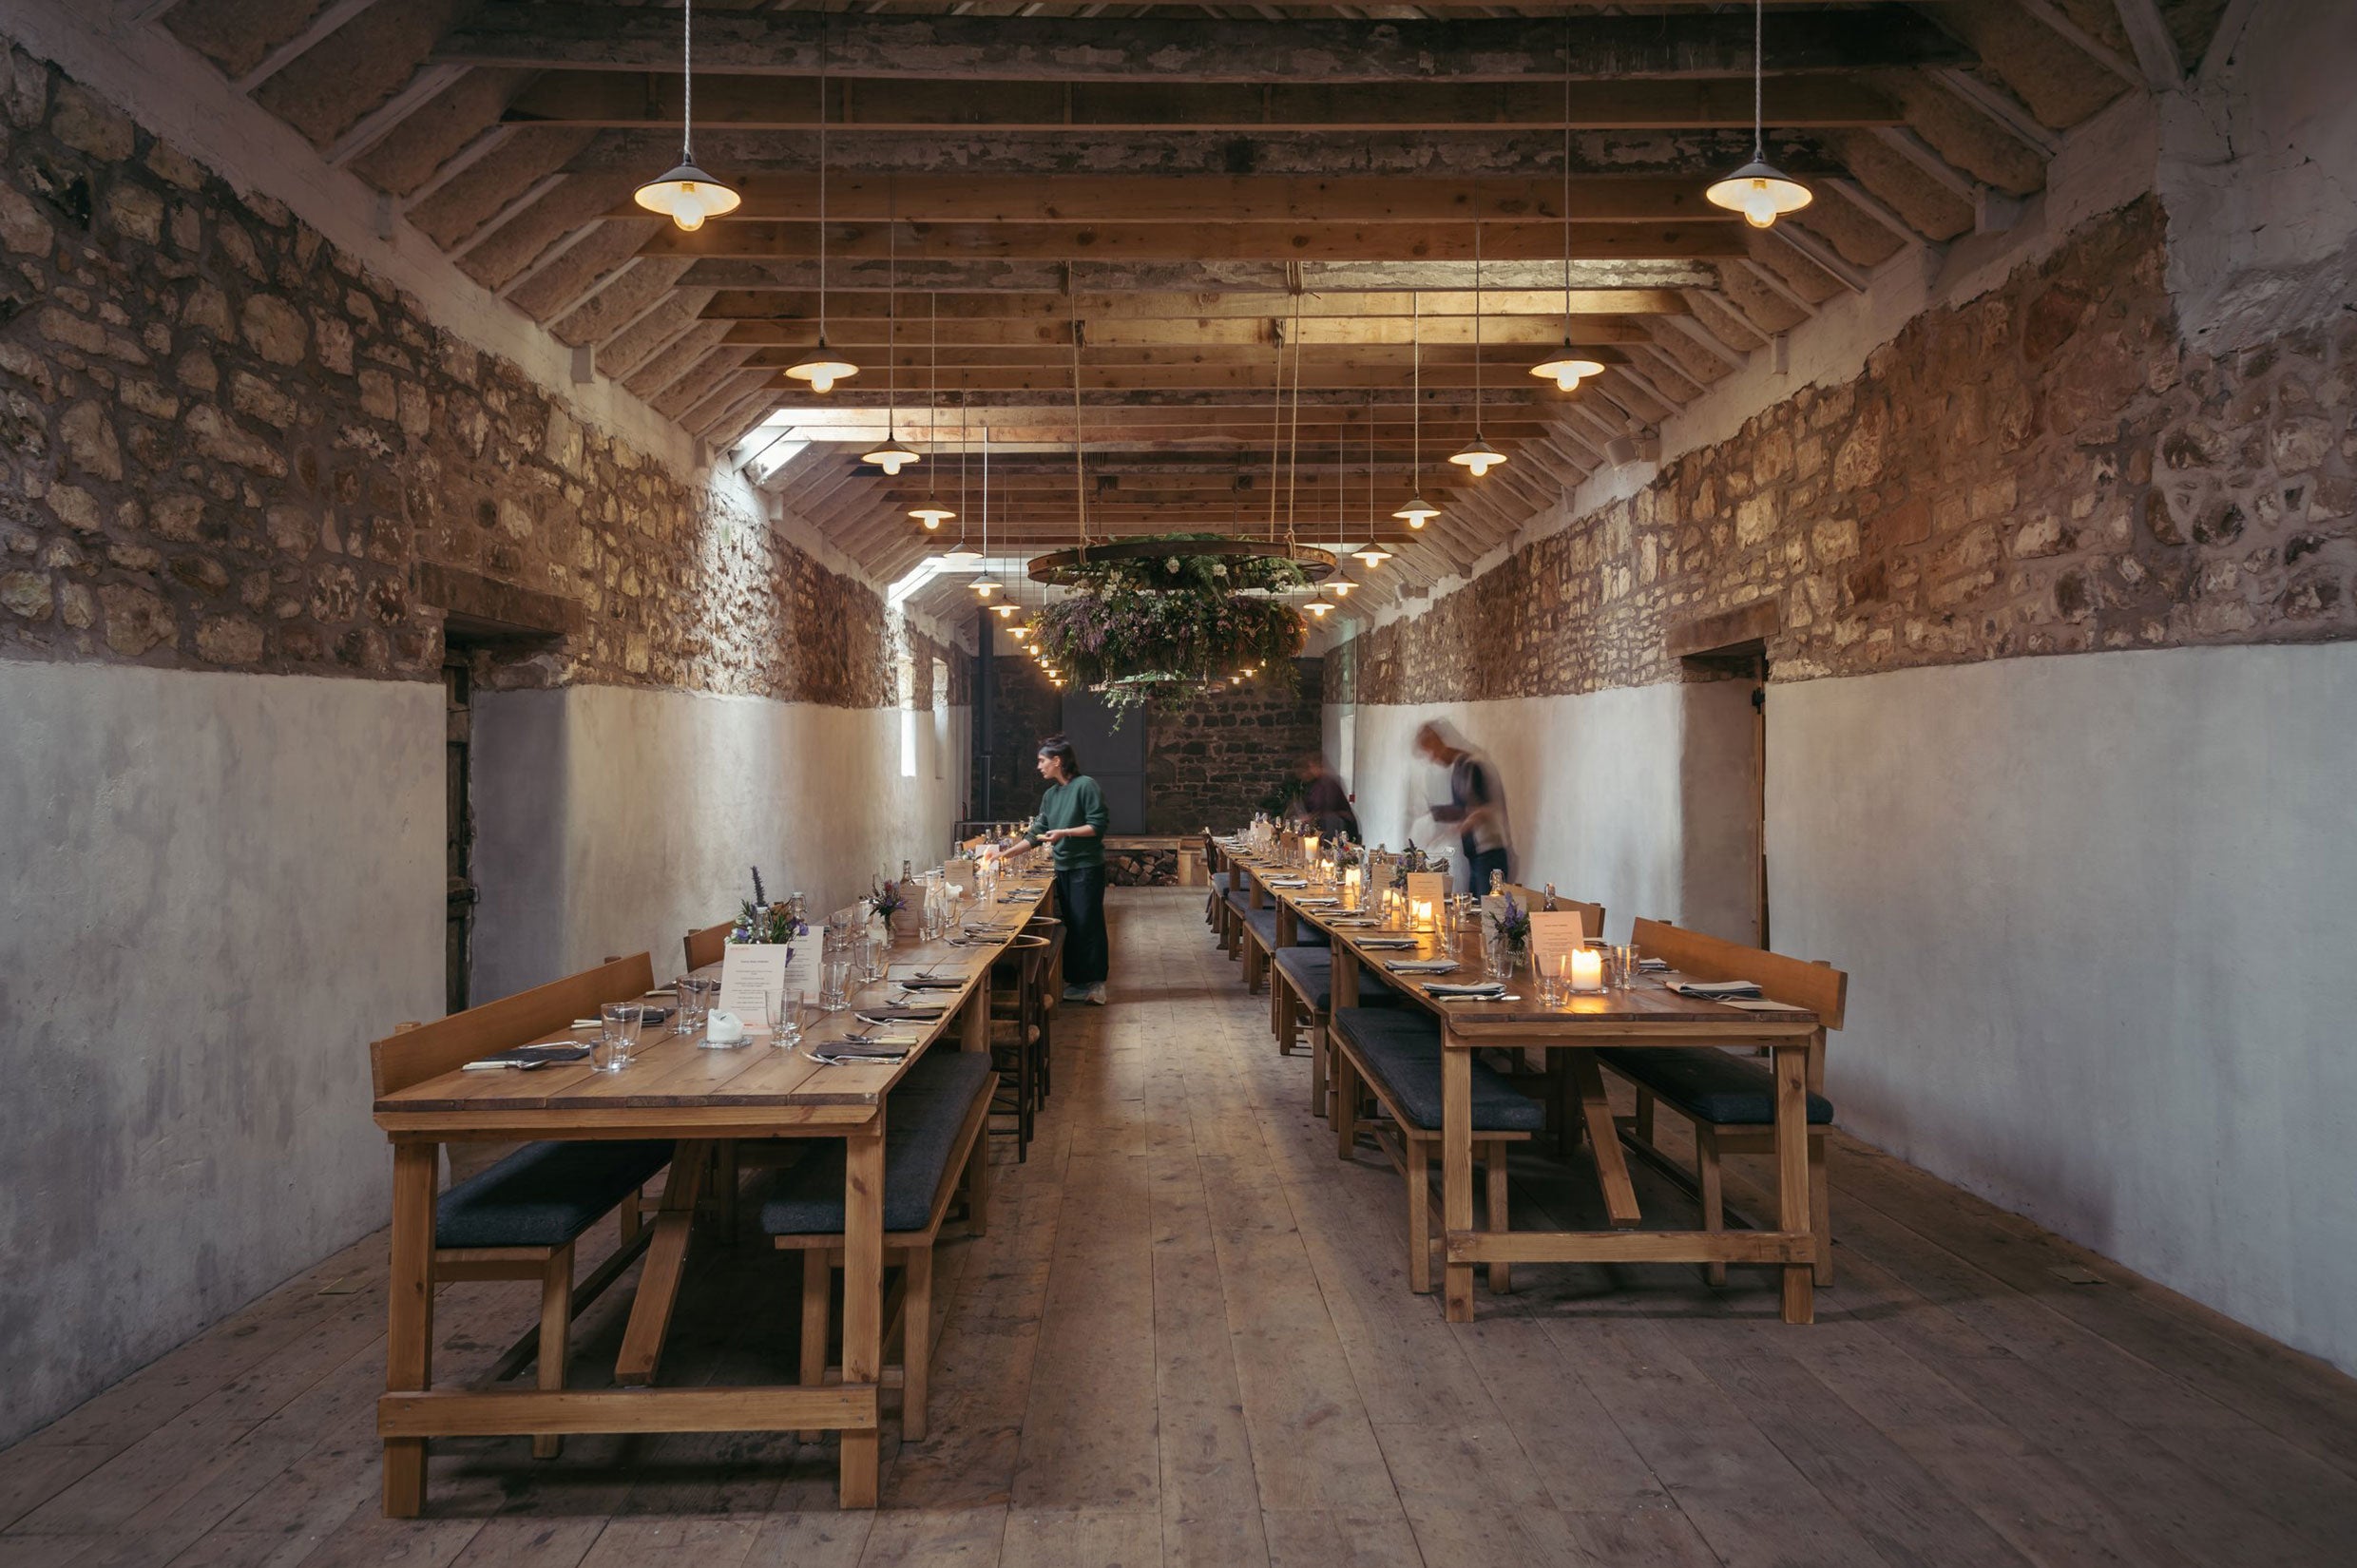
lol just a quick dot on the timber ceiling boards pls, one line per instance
(1178, 179)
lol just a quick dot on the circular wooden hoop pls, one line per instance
(1063, 567)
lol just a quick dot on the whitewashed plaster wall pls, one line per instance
(1639, 799)
(609, 819)
(214, 890)
(2095, 913)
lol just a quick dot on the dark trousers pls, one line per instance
(1481, 865)
(1080, 900)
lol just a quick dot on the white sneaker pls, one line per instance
(1097, 994)
(1076, 993)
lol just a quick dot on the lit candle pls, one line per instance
(1309, 848)
(1420, 914)
(1349, 887)
(1588, 969)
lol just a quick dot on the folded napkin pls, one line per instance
(1716, 990)
(1389, 943)
(1653, 966)
(924, 1014)
(1491, 988)
(1355, 923)
(930, 984)
(1420, 966)
(1288, 882)
(845, 1053)
(1321, 903)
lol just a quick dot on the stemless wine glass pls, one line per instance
(834, 992)
(618, 1036)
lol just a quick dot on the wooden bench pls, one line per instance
(1394, 1054)
(520, 1217)
(1729, 1100)
(1304, 978)
(934, 1121)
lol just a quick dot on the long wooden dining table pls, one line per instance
(1649, 1013)
(674, 1088)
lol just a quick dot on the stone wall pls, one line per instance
(1024, 707)
(225, 446)
(1212, 760)
(2043, 469)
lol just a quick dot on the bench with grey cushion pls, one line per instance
(545, 1194)
(1395, 1053)
(1263, 922)
(922, 1117)
(933, 1122)
(1312, 971)
(1709, 1085)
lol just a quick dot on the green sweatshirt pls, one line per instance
(1077, 804)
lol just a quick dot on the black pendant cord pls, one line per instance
(1566, 179)
(1415, 391)
(1759, 132)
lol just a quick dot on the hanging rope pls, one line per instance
(1080, 460)
(1292, 470)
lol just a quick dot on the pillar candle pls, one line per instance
(1588, 969)
(1349, 887)
(1421, 914)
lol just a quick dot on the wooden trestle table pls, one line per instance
(672, 1089)
(1649, 1014)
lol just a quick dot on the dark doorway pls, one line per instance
(458, 817)
(1114, 757)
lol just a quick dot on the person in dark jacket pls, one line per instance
(1325, 801)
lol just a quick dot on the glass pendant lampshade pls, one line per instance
(1760, 191)
(687, 195)
(1477, 456)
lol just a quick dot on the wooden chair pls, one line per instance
(1051, 997)
(520, 1218)
(1395, 1055)
(708, 946)
(933, 1145)
(1729, 1100)
(1017, 1034)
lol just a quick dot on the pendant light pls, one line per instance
(986, 585)
(1477, 456)
(820, 367)
(1760, 191)
(957, 554)
(894, 455)
(1567, 369)
(687, 195)
(1418, 510)
(1340, 585)
(933, 515)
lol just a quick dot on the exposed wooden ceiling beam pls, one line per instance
(620, 99)
(1212, 199)
(1164, 49)
(1696, 238)
(1312, 333)
(784, 304)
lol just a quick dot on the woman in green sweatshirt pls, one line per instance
(1072, 818)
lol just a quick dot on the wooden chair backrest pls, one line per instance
(1820, 987)
(413, 1055)
(707, 946)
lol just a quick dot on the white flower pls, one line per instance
(1218, 569)
(1170, 565)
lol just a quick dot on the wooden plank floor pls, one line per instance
(1187, 1340)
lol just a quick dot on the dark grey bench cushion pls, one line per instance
(1708, 1084)
(1305, 935)
(922, 1117)
(1241, 897)
(1313, 971)
(1402, 1047)
(545, 1194)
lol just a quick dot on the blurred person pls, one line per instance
(1476, 806)
(1325, 800)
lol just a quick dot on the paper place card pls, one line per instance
(1553, 933)
(1428, 887)
(751, 972)
(959, 873)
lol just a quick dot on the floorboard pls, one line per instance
(1187, 1338)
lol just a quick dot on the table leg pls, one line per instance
(863, 1299)
(666, 1259)
(1612, 1166)
(409, 1317)
(1456, 1176)
(1792, 1063)
(975, 1020)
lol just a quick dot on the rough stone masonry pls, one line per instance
(2045, 469)
(223, 445)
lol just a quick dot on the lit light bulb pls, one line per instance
(1372, 554)
(1340, 588)
(1415, 512)
(1477, 456)
(931, 516)
(1319, 608)
(1568, 369)
(688, 196)
(1002, 611)
(1760, 193)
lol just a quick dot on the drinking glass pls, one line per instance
(1493, 952)
(618, 1036)
(869, 947)
(783, 1012)
(1621, 959)
(685, 1018)
(834, 990)
(1554, 980)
